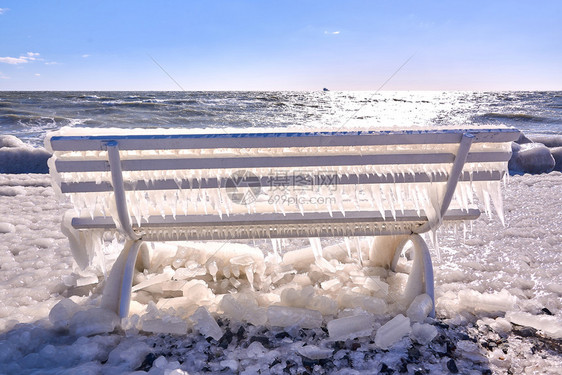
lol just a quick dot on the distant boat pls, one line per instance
(325, 89)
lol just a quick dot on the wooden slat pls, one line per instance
(213, 183)
(289, 139)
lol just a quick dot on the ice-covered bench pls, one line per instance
(166, 185)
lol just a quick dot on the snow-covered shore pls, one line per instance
(498, 293)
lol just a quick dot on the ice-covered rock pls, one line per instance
(423, 333)
(556, 153)
(93, 321)
(61, 314)
(17, 157)
(392, 331)
(420, 308)
(351, 327)
(547, 140)
(284, 316)
(531, 158)
(206, 324)
(550, 325)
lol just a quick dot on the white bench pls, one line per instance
(166, 185)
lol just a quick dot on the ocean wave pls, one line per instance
(523, 117)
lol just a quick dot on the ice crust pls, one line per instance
(492, 258)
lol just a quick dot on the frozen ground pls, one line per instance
(499, 306)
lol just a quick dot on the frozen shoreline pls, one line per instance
(522, 261)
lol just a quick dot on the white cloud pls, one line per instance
(51, 63)
(85, 56)
(37, 75)
(2, 76)
(331, 32)
(3, 10)
(30, 56)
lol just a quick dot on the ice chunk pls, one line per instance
(297, 298)
(314, 352)
(166, 324)
(423, 333)
(486, 302)
(129, 351)
(244, 308)
(550, 325)
(206, 324)
(282, 316)
(392, 331)
(420, 308)
(62, 312)
(93, 321)
(351, 327)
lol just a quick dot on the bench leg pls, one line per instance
(421, 276)
(117, 291)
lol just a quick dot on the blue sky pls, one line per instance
(280, 45)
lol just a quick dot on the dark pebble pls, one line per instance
(452, 366)
(487, 372)
(240, 333)
(524, 331)
(307, 362)
(147, 363)
(385, 369)
(546, 311)
(414, 353)
(282, 335)
(355, 346)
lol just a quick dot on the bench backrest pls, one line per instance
(176, 185)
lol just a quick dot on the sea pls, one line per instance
(30, 115)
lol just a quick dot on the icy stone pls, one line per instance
(244, 308)
(423, 333)
(93, 321)
(392, 331)
(419, 308)
(206, 324)
(283, 316)
(549, 324)
(62, 313)
(351, 327)
(314, 352)
(471, 351)
(532, 158)
(485, 302)
(255, 350)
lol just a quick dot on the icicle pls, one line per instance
(347, 246)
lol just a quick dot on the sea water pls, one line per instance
(30, 115)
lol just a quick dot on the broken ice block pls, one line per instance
(423, 333)
(93, 322)
(314, 352)
(350, 327)
(167, 324)
(550, 325)
(62, 312)
(420, 308)
(206, 324)
(282, 316)
(486, 302)
(392, 331)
